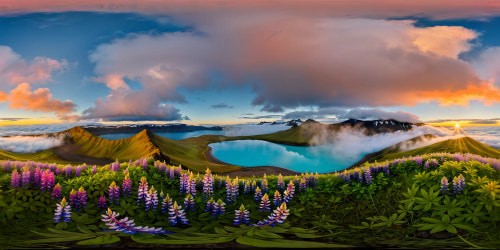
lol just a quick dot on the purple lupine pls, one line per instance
(191, 188)
(172, 173)
(278, 216)
(303, 184)
(229, 189)
(189, 202)
(241, 216)
(247, 188)
(235, 189)
(127, 225)
(114, 192)
(115, 166)
(176, 215)
(78, 171)
(258, 195)
(281, 183)
(210, 205)
(144, 163)
(418, 160)
(62, 212)
(208, 184)
(458, 184)
(26, 176)
(367, 175)
(166, 204)
(68, 170)
(57, 192)
(73, 198)
(291, 189)
(265, 204)
(264, 185)
(254, 185)
(15, 179)
(444, 185)
(357, 176)
(126, 185)
(184, 183)
(386, 170)
(277, 198)
(47, 180)
(143, 190)
(151, 201)
(102, 203)
(218, 208)
(37, 176)
(94, 169)
(82, 198)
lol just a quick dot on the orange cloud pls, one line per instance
(485, 92)
(40, 99)
(447, 41)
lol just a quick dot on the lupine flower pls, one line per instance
(78, 171)
(144, 163)
(254, 185)
(278, 216)
(281, 183)
(229, 190)
(191, 188)
(208, 184)
(15, 179)
(265, 204)
(258, 195)
(143, 190)
(102, 203)
(458, 184)
(235, 189)
(176, 215)
(210, 205)
(82, 198)
(189, 202)
(73, 198)
(264, 184)
(68, 170)
(386, 170)
(357, 176)
(57, 192)
(94, 169)
(241, 216)
(367, 176)
(127, 225)
(166, 204)
(444, 185)
(291, 189)
(62, 212)
(172, 173)
(303, 184)
(114, 192)
(37, 176)
(126, 184)
(247, 188)
(26, 176)
(277, 198)
(184, 183)
(151, 199)
(47, 180)
(218, 208)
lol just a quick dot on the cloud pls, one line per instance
(16, 70)
(368, 113)
(487, 64)
(256, 117)
(401, 64)
(484, 121)
(344, 8)
(28, 144)
(221, 106)
(40, 99)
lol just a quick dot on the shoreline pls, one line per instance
(257, 171)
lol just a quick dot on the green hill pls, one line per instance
(460, 145)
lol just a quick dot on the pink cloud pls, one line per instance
(15, 70)
(40, 99)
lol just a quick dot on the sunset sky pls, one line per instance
(217, 62)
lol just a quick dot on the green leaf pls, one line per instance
(280, 243)
(61, 225)
(308, 236)
(102, 240)
(267, 235)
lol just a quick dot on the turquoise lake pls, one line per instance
(171, 135)
(253, 153)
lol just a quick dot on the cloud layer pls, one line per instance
(28, 144)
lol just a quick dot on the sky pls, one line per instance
(227, 62)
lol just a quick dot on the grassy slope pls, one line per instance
(460, 145)
(41, 156)
(192, 152)
(134, 147)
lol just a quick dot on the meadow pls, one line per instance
(432, 200)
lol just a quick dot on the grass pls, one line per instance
(40, 156)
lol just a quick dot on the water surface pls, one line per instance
(253, 153)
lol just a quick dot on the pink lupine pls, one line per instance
(15, 179)
(57, 192)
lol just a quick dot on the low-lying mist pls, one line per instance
(28, 144)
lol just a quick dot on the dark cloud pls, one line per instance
(256, 117)
(221, 106)
(11, 119)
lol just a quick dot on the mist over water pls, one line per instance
(28, 144)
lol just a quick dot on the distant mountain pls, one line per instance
(155, 128)
(291, 123)
(312, 132)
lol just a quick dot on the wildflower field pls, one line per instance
(433, 200)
